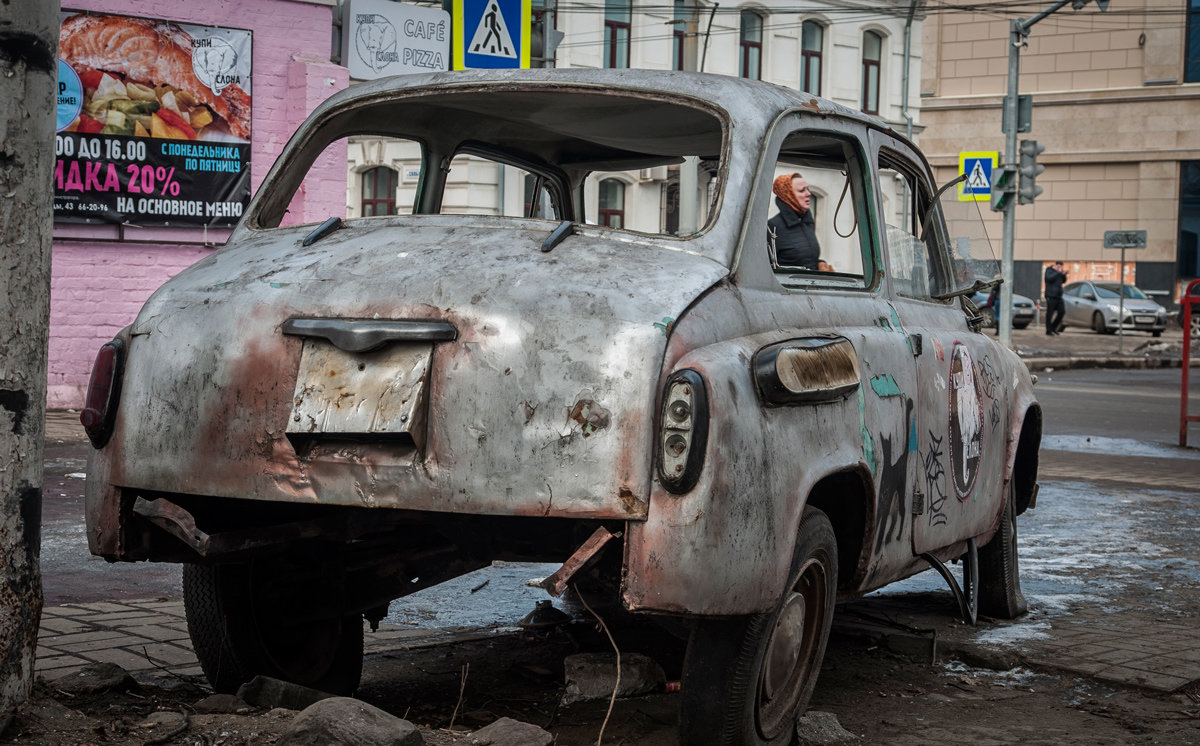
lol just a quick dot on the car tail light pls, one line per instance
(104, 390)
(683, 431)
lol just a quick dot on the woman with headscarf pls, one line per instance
(793, 228)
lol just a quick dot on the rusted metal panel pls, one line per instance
(557, 583)
(374, 392)
(539, 407)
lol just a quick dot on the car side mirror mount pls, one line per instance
(1089, 296)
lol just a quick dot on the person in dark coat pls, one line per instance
(1055, 277)
(793, 228)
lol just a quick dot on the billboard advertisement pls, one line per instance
(153, 122)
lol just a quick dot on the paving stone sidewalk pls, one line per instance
(1129, 648)
(151, 637)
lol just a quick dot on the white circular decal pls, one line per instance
(966, 422)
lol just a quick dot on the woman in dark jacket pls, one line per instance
(793, 228)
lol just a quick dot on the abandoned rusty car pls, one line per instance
(318, 419)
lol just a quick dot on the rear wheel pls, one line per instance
(746, 679)
(240, 628)
(1000, 594)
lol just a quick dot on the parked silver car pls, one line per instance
(1098, 305)
(1023, 309)
(320, 418)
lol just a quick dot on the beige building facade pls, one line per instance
(1116, 103)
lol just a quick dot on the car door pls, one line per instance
(957, 444)
(1072, 304)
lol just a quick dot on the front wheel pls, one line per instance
(746, 679)
(1000, 594)
(1098, 324)
(241, 627)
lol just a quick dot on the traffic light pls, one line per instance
(543, 39)
(1004, 184)
(1030, 168)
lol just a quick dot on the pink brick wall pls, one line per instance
(102, 276)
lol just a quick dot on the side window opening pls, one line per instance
(908, 257)
(818, 203)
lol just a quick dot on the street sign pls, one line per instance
(977, 167)
(492, 34)
(381, 37)
(1124, 239)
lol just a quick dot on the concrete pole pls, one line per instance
(28, 76)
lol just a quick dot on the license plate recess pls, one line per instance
(381, 392)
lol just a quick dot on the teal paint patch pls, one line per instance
(275, 285)
(868, 441)
(912, 437)
(665, 325)
(885, 385)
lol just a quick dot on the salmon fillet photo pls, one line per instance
(138, 80)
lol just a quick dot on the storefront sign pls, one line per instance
(381, 37)
(162, 132)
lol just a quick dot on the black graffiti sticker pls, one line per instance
(991, 386)
(966, 422)
(934, 474)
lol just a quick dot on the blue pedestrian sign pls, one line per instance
(977, 167)
(491, 34)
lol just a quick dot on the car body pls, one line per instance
(1023, 309)
(1098, 305)
(319, 419)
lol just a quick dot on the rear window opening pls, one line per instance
(640, 163)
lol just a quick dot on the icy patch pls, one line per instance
(77, 475)
(1018, 677)
(1116, 447)
(1013, 634)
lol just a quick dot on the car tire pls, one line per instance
(1098, 324)
(237, 639)
(1000, 594)
(1156, 333)
(746, 679)
(1020, 324)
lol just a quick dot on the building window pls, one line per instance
(1189, 220)
(872, 53)
(752, 29)
(618, 18)
(379, 192)
(680, 33)
(612, 203)
(1191, 71)
(812, 38)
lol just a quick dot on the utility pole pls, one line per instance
(28, 75)
(1017, 35)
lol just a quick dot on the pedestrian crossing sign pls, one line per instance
(491, 34)
(978, 168)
